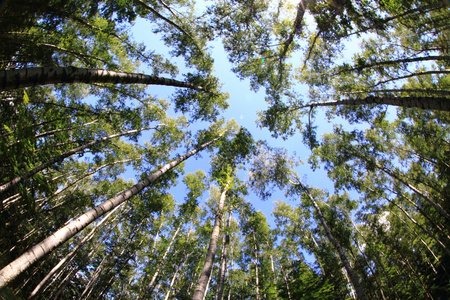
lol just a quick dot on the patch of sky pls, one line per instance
(244, 105)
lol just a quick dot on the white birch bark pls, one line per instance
(15, 268)
(203, 280)
(20, 78)
(64, 155)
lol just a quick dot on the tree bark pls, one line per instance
(64, 155)
(385, 91)
(15, 79)
(63, 262)
(255, 250)
(15, 268)
(447, 71)
(203, 280)
(392, 174)
(393, 62)
(352, 276)
(223, 262)
(297, 29)
(286, 281)
(174, 278)
(231, 275)
(433, 103)
(89, 289)
(160, 262)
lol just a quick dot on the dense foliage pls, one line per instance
(71, 226)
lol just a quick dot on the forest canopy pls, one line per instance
(122, 175)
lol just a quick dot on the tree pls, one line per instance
(76, 100)
(230, 154)
(11, 271)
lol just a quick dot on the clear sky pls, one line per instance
(244, 104)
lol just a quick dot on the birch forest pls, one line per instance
(128, 171)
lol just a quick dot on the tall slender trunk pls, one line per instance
(286, 281)
(72, 271)
(203, 280)
(63, 262)
(423, 102)
(368, 264)
(255, 250)
(296, 29)
(20, 78)
(231, 274)
(207, 285)
(94, 278)
(174, 278)
(418, 276)
(223, 261)
(191, 285)
(160, 263)
(437, 206)
(316, 248)
(397, 178)
(113, 275)
(86, 294)
(413, 235)
(43, 201)
(352, 276)
(52, 132)
(393, 62)
(64, 155)
(423, 228)
(38, 251)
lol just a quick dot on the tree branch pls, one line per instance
(14, 79)
(447, 71)
(433, 103)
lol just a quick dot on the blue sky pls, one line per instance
(244, 104)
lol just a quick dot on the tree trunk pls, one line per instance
(380, 288)
(64, 155)
(203, 280)
(379, 263)
(52, 132)
(433, 103)
(437, 226)
(174, 278)
(207, 285)
(15, 268)
(15, 79)
(120, 264)
(286, 281)
(352, 276)
(258, 296)
(86, 294)
(437, 206)
(385, 91)
(160, 262)
(393, 62)
(63, 262)
(296, 30)
(423, 228)
(231, 274)
(58, 289)
(223, 262)
(74, 184)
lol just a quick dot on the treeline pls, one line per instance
(76, 114)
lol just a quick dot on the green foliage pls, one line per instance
(307, 284)
(205, 105)
(388, 212)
